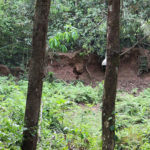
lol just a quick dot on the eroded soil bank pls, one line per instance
(88, 69)
(74, 66)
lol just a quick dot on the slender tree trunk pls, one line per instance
(36, 75)
(110, 85)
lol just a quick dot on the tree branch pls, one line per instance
(129, 49)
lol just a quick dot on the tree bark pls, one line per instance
(110, 85)
(36, 75)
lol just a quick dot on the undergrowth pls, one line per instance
(71, 117)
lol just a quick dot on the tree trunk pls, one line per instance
(110, 85)
(36, 75)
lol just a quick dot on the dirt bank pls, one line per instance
(73, 66)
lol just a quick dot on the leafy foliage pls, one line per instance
(133, 121)
(57, 98)
(15, 31)
(76, 93)
(87, 18)
(61, 41)
(65, 124)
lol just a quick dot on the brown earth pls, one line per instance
(73, 66)
(17, 71)
(4, 70)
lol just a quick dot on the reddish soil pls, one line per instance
(4, 70)
(72, 66)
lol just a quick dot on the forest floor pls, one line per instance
(74, 66)
(71, 117)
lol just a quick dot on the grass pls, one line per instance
(71, 117)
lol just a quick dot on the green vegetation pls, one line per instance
(87, 17)
(61, 41)
(15, 32)
(71, 113)
(71, 117)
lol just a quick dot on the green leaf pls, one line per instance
(66, 36)
(64, 48)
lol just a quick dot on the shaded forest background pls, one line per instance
(82, 23)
